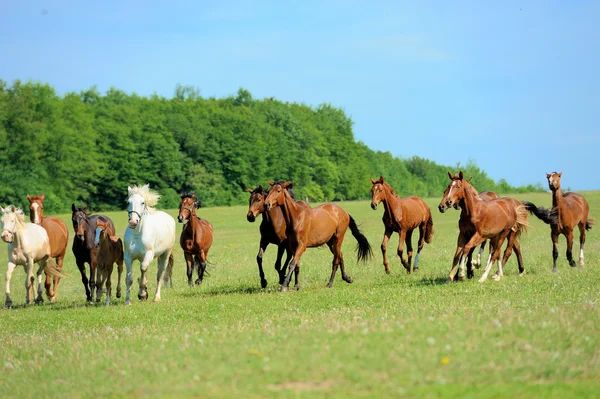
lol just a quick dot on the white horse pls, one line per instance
(150, 234)
(28, 243)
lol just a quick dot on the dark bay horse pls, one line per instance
(570, 210)
(309, 227)
(110, 251)
(84, 249)
(58, 235)
(495, 220)
(402, 215)
(272, 231)
(196, 237)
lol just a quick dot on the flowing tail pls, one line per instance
(548, 216)
(363, 248)
(589, 223)
(52, 270)
(429, 230)
(521, 224)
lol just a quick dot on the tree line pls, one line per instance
(87, 147)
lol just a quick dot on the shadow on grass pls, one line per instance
(227, 290)
(430, 281)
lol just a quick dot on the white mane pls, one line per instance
(18, 213)
(150, 197)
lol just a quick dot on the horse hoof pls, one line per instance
(415, 269)
(572, 263)
(198, 281)
(127, 303)
(482, 280)
(156, 299)
(263, 284)
(283, 288)
(143, 297)
(39, 301)
(53, 299)
(297, 287)
(470, 275)
(495, 277)
(8, 303)
(461, 278)
(347, 279)
(554, 270)
(522, 273)
(450, 280)
(118, 293)
(387, 271)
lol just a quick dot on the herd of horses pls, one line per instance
(291, 225)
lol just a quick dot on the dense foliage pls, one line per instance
(87, 147)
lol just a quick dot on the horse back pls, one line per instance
(577, 209)
(58, 235)
(410, 212)
(37, 240)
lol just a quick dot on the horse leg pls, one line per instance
(512, 238)
(581, 242)
(296, 277)
(400, 250)
(128, 278)
(570, 249)
(40, 298)
(59, 262)
(29, 281)
(470, 273)
(422, 228)
(201, 259)
(409, 248)
(473, 242)
(119, 273)
(345, 276)
(9, 271)
(457, 256)
(93, 267)
(48, 287)
(160, 274)
(280, 251)
(107, 277)
(261, 250)
(84, 280)
(386, 237)
(554, 237)
(288, 258)
(189, 262)
(495, 248)
(295, 262)
(99, 282)
(336, 259)
(517, 249)
(477, 261)
(143, 280)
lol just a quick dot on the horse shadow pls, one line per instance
(228, 290)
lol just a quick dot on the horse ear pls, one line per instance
(460, 175)
(28, 197)
(181, 196)
(73, 208)
(381, 178)
(146, 186)
(559, 174)
(288, 184)
(42, 197)
(129, 191)
(548, 175)
(470, 178)
(450, 175)
(271, 183)
(1, 209)
(249, 190)
(372, 181)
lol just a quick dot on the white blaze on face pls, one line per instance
(450, 192)
(36, 213)
(97, 239)
(135, 209)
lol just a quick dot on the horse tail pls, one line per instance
(52, 270)
(363, 248)
(429, 230)
(589, 223)
(548, 216)
(521, 223)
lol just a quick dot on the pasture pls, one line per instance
(382, 336)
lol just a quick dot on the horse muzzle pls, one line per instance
(250, 216)
(442, 208)
(81, 237)
(181, 219)
(374, 206)
(7, 237)
(133, 225)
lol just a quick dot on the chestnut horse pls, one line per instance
(196, 237)
(110, 251)
(402, 215)
(485, 196)
(58, 234)
(571, 210)
(272, 231)
(309, 227)
(83, 245)
(495, 220)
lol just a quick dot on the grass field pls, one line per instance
(392, 335)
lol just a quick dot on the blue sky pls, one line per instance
(511, 85)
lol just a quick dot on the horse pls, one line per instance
(150, 234)
(272, 231)
(196, 237)
(308, 227)
(495, 220)
(28, 243)
(58, 234)
(485, 196)
(110, 251)
(84, 225)
(570, 210)
(402, 215)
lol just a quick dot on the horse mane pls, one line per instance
(150, 197)
(192, 196)
(18, 213)
(39, 197)
(290, 188)
(84, 210)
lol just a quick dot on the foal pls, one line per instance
(402, 215)
(272, 231)
(196, 237)
(110, 251)
(58, 234)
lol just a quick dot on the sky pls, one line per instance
(511, 85)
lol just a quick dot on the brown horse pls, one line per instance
(485, 196)
(58, 235)
(272, 231)
(571, 210)
(196, 237)
(495, 220)
(110, 251)
(312, 227)
(402, 215)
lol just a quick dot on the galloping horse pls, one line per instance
(58, 234)
(149, 234)
(110, 251)
(28, 243)
(272, 231)
(312, 227)
(402, 215)
(84, 249)
(571, 210)
(494, 220)
(196, 237)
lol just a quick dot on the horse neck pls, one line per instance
(557, 199)
(18, 236)
(289, 208)
(390, 200)
(469, 200)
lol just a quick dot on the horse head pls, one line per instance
(11, 216)
(36, 208)
(80, 219)
(453, 193)
(377, 192)
(256, 203)
(187, 207)
(276, 194)
(554, 180)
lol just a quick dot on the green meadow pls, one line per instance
(394, 335)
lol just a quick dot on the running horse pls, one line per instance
(58, 234)
(28, 243)
(110, 251)
(495, 220)
(272, 231)
(402, 215)
(196, 237)
(309, 227)
(485, 196)
(84, 249)
(571, 210)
